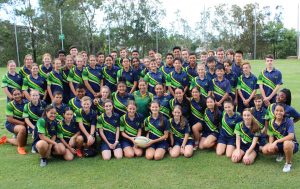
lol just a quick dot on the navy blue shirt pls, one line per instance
(220, 88)
(110, 77)
(228, 124)
(205, 85)
(164, 103)
(129, 77)
(109, 125)
(185, 105)
(155, 128)
(236, 69)
(153, 79)
(177, 131)
(88, 119)
(260, 116)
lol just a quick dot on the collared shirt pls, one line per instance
(109, 125)
(156, 127)
(131, 127)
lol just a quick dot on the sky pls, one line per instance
(190, 9)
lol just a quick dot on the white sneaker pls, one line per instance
(279, 157)
(33, 150)
(287, 167)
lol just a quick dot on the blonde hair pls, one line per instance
(10, 62)
(47, 54)
(246, 63)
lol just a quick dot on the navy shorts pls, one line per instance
(35, 142)
(10, 127)
(162, 144)
(262, 140)
(280, 147)
(245, 147)
(125, 143)
(104, 146)
(206, 133)
(193, 122)
(179, 142)
(226, 140)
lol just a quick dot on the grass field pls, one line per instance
(203, 170)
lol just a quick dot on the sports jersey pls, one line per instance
(120, 102)
(43, 71)
(109, 125)
(131, 127)
(94, 77)
(142, 102)
(110, 77)
(156, 127)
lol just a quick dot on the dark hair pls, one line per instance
(80, 86)
(73, 47)
(161, 117)
(269, 56)
(100, 53)
(109, 56)
(135, 50)
(61, 52)
(288, 95)
(57, 93)
(176, 47)
(216, 109)
(152, 50)
(228, 100)
(227, 61)
(179, 59)
(192, 54)
(46, 110)
(169, 54)
(230, 51)
(185, 99)
(67, 109)
(210, 59)
(254, 125)
(220, 67)
(203, 53)
(15, 89)
(239, 52)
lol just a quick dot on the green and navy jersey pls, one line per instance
(220, 88)
(144, 72)
(197, 111)
(245, 133)
(247, 85)
(185, 105)
(38, 83)
(100, 107)
(270, 80)
(75, 76)
(166, 70)
(212, 123)
(260, 116)
(15, 109)
(34, 112)
(65, 73)
(67, 91)
(229, 122)
(47, 128)
(204, 85)
(191, 72)
(290, 112)
(236, 68)
(139, 69)
(131, 127)
(156, 127)
(129, 77)
(120, 102)
(164, 103)
(24, 72)
(74, 104)
(12, 82)
(177, 80)
(68, 130)
(55, 81)
(44, 72)
(59, 110)
(179, 132)
(154, 78)
(109, 125)
(119, 62)
(211, 76)
(88, 119)
(232, 78)
(110, 77)
(284, 129)
(94, 77)
(143, 102)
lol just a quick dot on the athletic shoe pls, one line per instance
(195, 146)
(3, 140)
(21, 151)
(287, 167)
(43, 162)
(33, 150)
(79, 153)
(279, 157)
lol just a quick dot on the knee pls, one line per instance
(288, 145)
(228, 155)
(188, 154)
(158, 156)
(149, 156)
(129, 154)
(106, 158)
(22, 131)
(139, 153)
(42, 145)
(69, 157)
(219, 153)
(174, 154)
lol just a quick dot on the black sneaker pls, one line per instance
(43, 162)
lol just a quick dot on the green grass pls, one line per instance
(203, 170)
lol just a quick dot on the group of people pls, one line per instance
(78, 105)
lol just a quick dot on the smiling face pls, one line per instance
(179, 94)
(17, 96)
(247, 117)
(131, 109)
(195, 93)
(281, 97)
(105, 93)
(228, 107)
(143, 86)
(169, 60)
(279, 112)
(51, 114)
(246, 69)
(210, 103)
(58, 99)
(177, 113)
(86, 105)
(11, 67)
(269, 63)
(108, 61)
(47, 61)
(126, 63)
(69, 115)
(92, 61)
(121, 88)
(34, 95)
(201, 70)
(154, 108)
(108, 107)
(28, 61)
(57, 64)
(35, 70)
(159, 90)
(220, 55)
